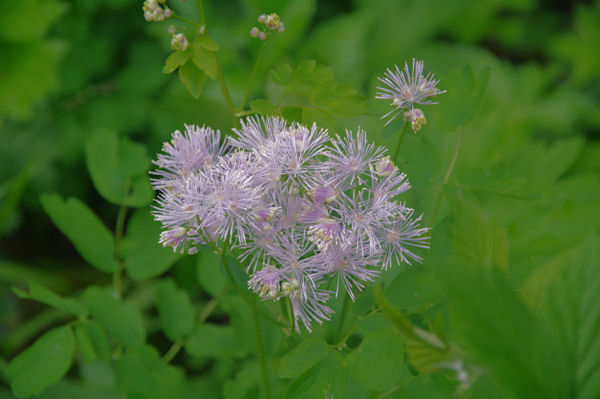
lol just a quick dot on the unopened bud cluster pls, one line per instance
(178, 40)
(154, 11)
(270, 23)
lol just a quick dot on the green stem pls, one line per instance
(119, 227)
(224, 88)
(261, 355)
(173, 350)
(343, 315)
(399, 142)
(201, 12)
(187, 21)
(447, 177)
(254, 70)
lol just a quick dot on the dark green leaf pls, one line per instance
(121, 320)
(44, 295)
(92, 341)
(175, 310)
(412, 290)
(91, 238)
(304, 356)
(325, 380)
(210, 340)
(118, 168)
(205, 60)
(192, 78)
(43, 363)
(378, 362)
(175, 60)
(144, 256)
(141, 373)
(210, 273)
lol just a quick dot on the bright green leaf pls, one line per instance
(207, 43)
(205, 60)
(377, 363)
(310, 352)
(121, 320)
(44, 295)
(323, 119)
(210, 275)
(175, 60)
(262, 107)
(282, 75)
(347, 106)
(192, 78)
(43, 363)
(175, 310)
(325, 380)
(91, 238)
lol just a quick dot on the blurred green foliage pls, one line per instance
(506, 172)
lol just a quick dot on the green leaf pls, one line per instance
(92, 341)
(210, 274)
(464, 97)
(321, 118)
(141, 373)
(121, 320)
(118, 168)
(207, 43)
(347, 107)
(325, 380)
(175, 310)
(91, 238)
(282, 75)
(43, 363)
(425, 350)
(420, 387)
(412, 290)
(192, 78)
(262, 107)
(382, 348)
(144, 256)
(44, 295)
(205, 60)
(393, 129)
(175, 60)
(310, 352)
(215, 341)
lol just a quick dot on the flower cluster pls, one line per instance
(308, 215)
(407, 88)
(270, 23)
(154, 11)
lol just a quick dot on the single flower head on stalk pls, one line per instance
(406, 88)
(299, 208)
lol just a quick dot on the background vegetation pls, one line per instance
(509, 292)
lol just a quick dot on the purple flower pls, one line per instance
(351, 156)
(407, 88)
(299, 209)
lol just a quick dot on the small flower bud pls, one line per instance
(272, 21)
(201, 30)
(262, 18)
(281, 28)
(168, 12)
(262, 35)
(384, 167)
(254, 32)
(179, 42)
(172, 29)
(417, 119)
